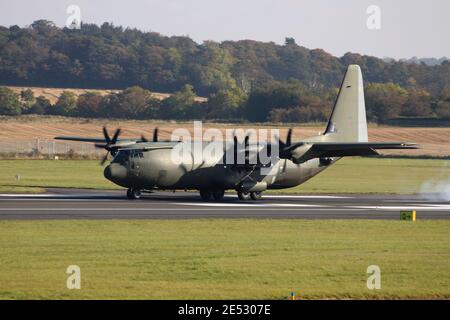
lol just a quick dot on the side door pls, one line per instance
(136, 157)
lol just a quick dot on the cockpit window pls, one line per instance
(121, 156)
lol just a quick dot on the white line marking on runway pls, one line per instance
(418, 207)
(270, 196)
(89, 196)
(246, 205)
(19, 195)
(56, 196)
(160, 209)
(66, 199)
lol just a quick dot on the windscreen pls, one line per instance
(121, 156)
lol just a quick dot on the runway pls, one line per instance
(88, 204)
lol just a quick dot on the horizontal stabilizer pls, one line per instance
(302, 152)
(356, 145)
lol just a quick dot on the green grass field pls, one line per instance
(350, 175)
(239, 259)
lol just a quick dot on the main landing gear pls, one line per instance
(216, 195)
(245, 195)
(207, 195)
(133, 194)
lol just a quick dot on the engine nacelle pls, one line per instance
(302, 154)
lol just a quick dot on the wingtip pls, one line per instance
(412, 145)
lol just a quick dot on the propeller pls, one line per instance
(246, 149)
(285, 152)
(109, 146)
(236, 149)
(154, 138)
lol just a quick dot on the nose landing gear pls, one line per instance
(133, 194)
(243, 195)
(256, 195)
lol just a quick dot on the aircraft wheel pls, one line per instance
(133, 194)
(205, 194)
(218, 195)
(256, 195)
(243, 195)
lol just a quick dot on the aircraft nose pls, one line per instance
(115, 172)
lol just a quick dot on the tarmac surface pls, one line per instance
(90, 204)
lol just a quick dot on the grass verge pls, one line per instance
(229, 259)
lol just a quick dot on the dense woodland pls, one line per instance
(243, 80)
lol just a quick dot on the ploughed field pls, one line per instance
(433, 141)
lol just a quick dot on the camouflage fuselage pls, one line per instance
(155, 169)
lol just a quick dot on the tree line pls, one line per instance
(279, 102)
(243, 80)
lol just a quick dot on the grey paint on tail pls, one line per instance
(348, 121)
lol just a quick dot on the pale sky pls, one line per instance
(408, 27)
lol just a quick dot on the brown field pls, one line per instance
(433, 141)
(53, 94)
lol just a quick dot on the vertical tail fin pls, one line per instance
(348, 121)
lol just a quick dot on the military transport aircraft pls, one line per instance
(141, 165)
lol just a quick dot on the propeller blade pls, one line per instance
(284, 153)
(144, 139)
(246, 149)
(100, 146)
(106, 135)
(281, 144)
(116, 136)
(289, 137)
(104, 159)
(155, 134)
(235, 149)
(246, 139)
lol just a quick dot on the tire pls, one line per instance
(218, 195)
(242, 195)
(205, 194)
(256, 195)
(133, 194)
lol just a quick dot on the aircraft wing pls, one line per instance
(302, 152)
(129, 144)
(148, 146)
(82, 139)
(93, 140)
